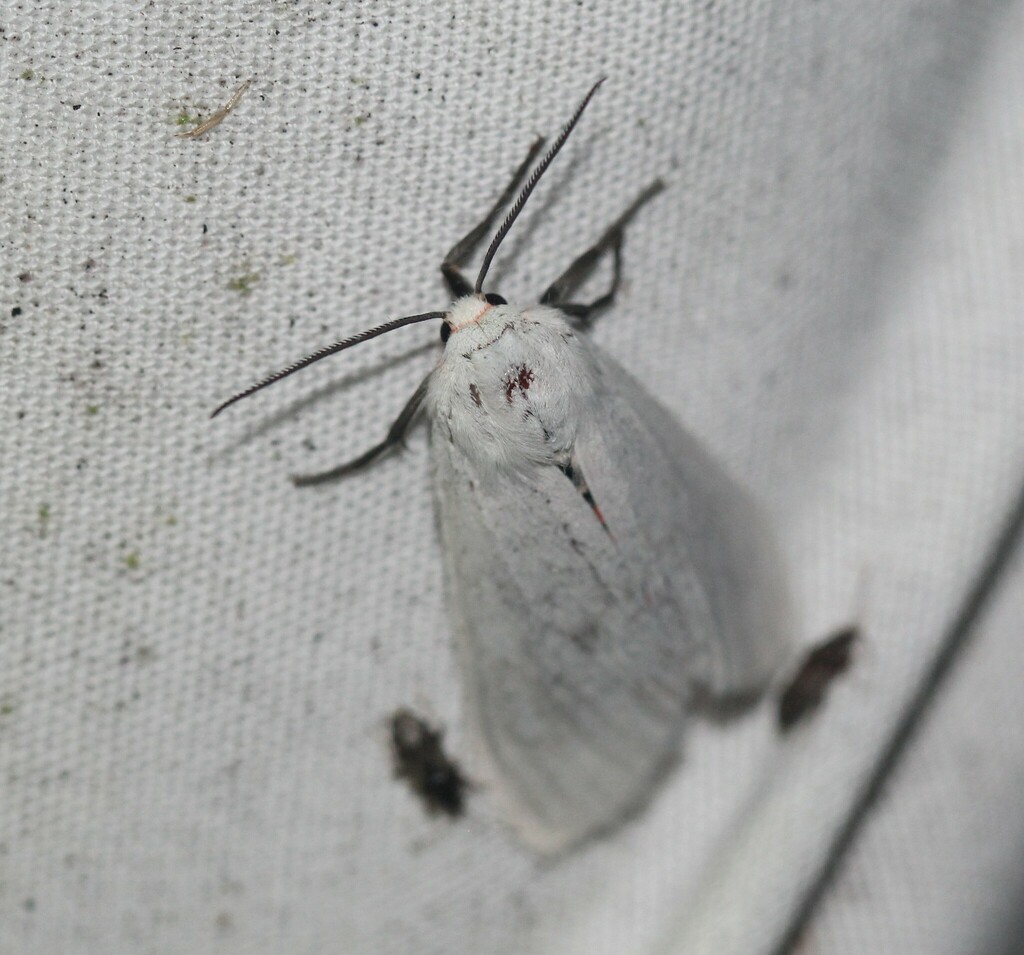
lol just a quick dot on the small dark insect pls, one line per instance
(422, 762)
(805, 693)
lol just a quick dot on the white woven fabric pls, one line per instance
(197, 659)
(939, 868)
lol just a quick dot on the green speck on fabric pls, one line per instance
(243, 284)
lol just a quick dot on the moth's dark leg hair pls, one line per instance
(577, 273)
(464, 248)
(396, 435)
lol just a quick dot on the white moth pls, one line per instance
(601, 568)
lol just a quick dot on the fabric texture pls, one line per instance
(939, 867)
(198, 660)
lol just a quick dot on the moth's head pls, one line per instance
(472, 315)
(471, 312)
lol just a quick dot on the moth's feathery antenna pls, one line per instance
(427, 316)
(328, 350)
(530, 185)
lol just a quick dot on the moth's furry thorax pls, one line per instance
(512, 385)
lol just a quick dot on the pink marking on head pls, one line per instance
(476, 318)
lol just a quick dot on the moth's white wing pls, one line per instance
(708, 530)
(578, 643)
(571, 685)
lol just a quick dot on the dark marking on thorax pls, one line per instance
(508, 326)
(518, 378)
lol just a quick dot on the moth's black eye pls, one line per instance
(446, 330)
(491, 298)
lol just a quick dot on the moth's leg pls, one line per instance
(584, 313)
(396, 435)
(577, 273)
(462, 249)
